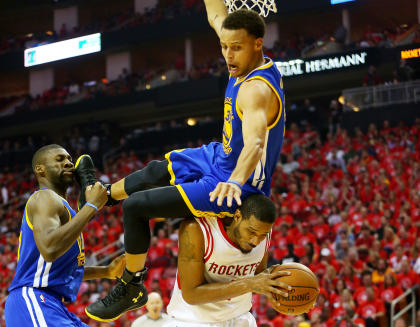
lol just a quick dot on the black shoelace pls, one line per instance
(116, 294)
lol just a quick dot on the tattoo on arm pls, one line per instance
(188, 247)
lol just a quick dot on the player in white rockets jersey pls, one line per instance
(220, 263)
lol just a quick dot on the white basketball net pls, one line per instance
(263, 7)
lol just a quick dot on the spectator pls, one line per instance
(335, 158)
(335, 116)
(274, 318)
(365, 240)
(407, 278)
(290, 256)
(382, 269)
(291, 165)
(390, 289)
(360, 295)
(350, 319)
(404, 72)
(154, 316)
(397, 258)
(400, 323)
(372, 309)
(372, 78)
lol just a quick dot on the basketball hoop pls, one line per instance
(263, 7)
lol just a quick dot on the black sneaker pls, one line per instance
(125, 296)
(85, 176)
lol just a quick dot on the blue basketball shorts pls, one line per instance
(32, 307)
(195, 175)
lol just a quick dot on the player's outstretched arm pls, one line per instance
(216, 14)
(195, 289)
(46, 211)
(254, 99)
(113, 270)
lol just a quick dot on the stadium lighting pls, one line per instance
(336, 2)
(62, 50)
(191, 122)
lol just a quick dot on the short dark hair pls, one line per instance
(246, 19)
(39, 154)
(259, 206)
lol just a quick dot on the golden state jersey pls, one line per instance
(62, 276)
(232, 129)
(223, 262)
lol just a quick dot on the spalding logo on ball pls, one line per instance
(304, 292)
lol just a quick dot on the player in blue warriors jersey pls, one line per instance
(213, 179)
(51, 253)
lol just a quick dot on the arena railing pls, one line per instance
(92, 260)
(411, 305)
(361, 98)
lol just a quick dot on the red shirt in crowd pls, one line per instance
(360, 294)
(370, 308)
(407, 280)
(390, 293)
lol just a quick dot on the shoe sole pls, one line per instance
(75, 167)
(110, 319)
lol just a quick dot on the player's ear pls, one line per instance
(237, 216)
(259, 44)
(40, 170)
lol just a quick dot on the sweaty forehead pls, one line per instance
(258, 225)
(56, 152)
(233, 36)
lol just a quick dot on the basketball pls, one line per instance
(305, 289)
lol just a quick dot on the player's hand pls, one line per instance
(275, 304)
(269, 283)
(116, 267)
(226, 190)
(96, 194)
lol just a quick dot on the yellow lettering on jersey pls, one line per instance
(81, 256)
(81, 259)
(227, 126)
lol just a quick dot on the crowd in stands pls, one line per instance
(373, 36)
(348, 208)
(293, 47)
(165, 10)
(131, 82)
(127, 83)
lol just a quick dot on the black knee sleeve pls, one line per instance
(136, 228)
(153, 175)
(164, 202)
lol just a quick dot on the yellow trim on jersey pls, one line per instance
(267, 65)
(20, 242)
(199, 213)
(68, 212)
(238, 111)
(27, 217)
(26, 211)
(170, 170)
(195, 212)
